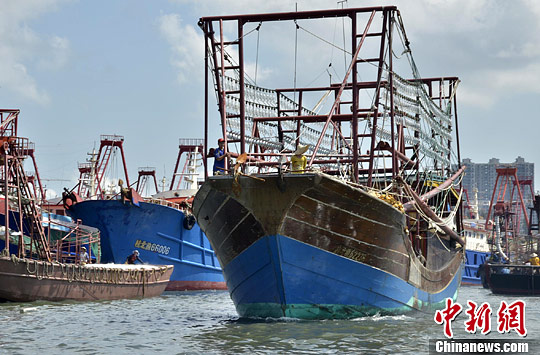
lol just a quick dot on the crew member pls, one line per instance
(534, 260)
(298, 160)
(125, 192)
(134, 257)
(83, 257)
(220, 155)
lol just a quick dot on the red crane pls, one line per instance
(142, 180)
(508, 207)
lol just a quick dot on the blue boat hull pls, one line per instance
(158, 232)
(280, 277)
(311, 247)
(473, 259)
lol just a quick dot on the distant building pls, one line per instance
(482, 176)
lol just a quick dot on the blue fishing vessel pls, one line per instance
(162, 233)
(366, 218)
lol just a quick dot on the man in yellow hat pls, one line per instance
(298, 160)
(534, 260)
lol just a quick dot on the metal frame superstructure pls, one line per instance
(31, 238)
(194, 149)
(144, 174)
(506, 185)
(408, 119)
(92, 172)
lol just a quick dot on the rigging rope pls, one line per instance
(426, 126)
(295, 56)
(257, 55)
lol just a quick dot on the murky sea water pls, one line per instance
(207, 323)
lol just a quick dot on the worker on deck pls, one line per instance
(298, 160)
(219, 158)
(83, 257)
(134, 257)
(534, 260)
(125, 192)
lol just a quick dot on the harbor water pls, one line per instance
(207, 323)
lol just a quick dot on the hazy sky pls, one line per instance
(79, 69)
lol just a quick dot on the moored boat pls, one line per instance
(164, 232)
(159, 233)
(54, 260)
(477, 251)
(27, 280)
(370, 221)
(513, 268)
(512, 279)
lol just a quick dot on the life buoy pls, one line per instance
(189, 221)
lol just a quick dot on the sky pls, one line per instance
(79, 69)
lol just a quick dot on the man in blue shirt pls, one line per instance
(220, 155)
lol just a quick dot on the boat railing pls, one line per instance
(20, 146)
(111, 138)
(158, 201)
(191, 142)
(67, 249)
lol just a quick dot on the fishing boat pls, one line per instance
(478, 248)
(514, 238)
(162, 230)
(370, 220)
(28, 279)
(513, 279)
(46, 263)
(477, 252)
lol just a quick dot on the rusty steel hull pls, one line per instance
(26, 280)
(335, 223)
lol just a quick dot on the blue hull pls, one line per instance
(159, 234)
(281, 277)
(473, 259)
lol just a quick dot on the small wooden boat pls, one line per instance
(26, 280)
